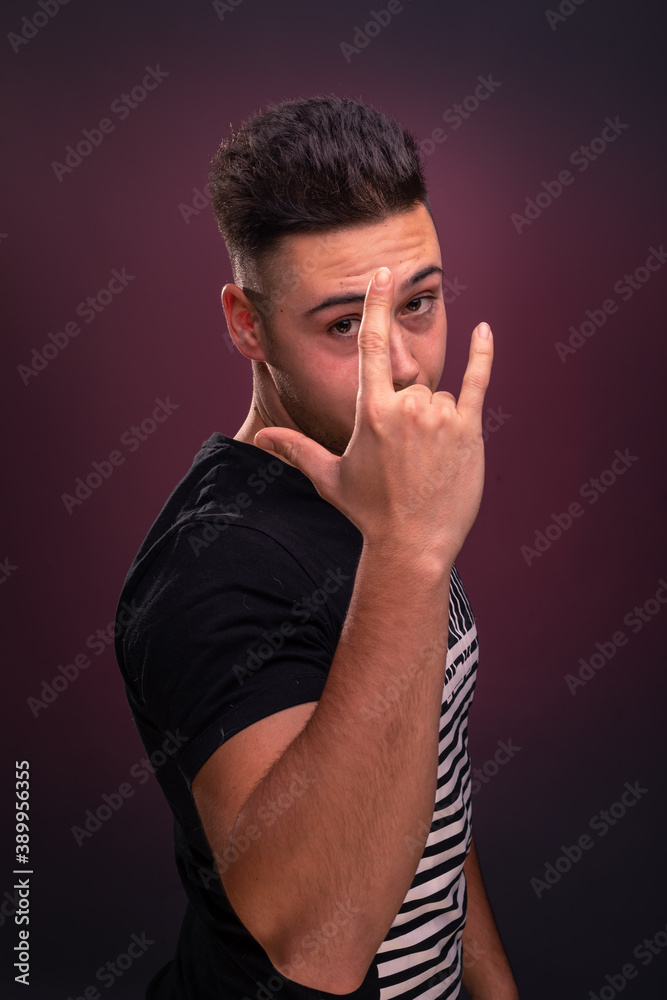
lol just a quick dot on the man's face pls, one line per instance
(310, 377)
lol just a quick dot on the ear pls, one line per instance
(243, 322)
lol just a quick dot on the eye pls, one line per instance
(347, 328)
(343, 328)
(413, 305)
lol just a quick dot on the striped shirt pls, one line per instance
(420, 959)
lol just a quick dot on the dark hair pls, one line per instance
(304, 166)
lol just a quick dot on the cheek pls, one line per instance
(432, 356)
(335, 397)
(330, 379)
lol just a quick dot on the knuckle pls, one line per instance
(409, 402)
(476, 380)
(290, 451)
(373, 413)
(372, 341)
(413, 397)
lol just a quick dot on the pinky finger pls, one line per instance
(478, 371)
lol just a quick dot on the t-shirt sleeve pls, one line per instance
(221, 638)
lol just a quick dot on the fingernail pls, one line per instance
(382, 277)
(484, 330)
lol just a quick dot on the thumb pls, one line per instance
(302, 453)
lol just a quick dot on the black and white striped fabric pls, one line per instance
(420, 959)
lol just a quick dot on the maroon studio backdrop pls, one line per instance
(543, 135)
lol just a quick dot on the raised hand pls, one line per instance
(413, 472)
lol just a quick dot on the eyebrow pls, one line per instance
(358, 297)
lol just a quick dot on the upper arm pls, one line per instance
(225, 782)
(219, 648)
(221, 657)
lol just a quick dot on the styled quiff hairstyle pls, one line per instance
(307, 166)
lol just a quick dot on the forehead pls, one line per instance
(345, 259)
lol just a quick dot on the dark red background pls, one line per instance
(164, 335)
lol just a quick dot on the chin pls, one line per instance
(334, 444)
(331, 435)
(334, 441)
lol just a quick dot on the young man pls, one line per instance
(300, 632)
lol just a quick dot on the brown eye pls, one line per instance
(421, 305)
(345, 329)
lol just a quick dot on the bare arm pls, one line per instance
(486, 970)
(342, 846)
(371, 782)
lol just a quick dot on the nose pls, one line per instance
(404, 367)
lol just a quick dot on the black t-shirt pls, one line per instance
(231, 611)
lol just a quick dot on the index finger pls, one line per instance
(375, 375)
(478, 372)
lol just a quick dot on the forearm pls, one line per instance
(371, 770)
(486, 970)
